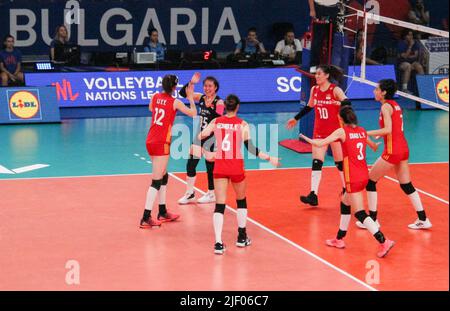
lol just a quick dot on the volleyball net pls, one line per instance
(418, 55)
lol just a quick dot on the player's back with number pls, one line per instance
(354, 148)
(395, 143)
(163, 116)
(228, 133)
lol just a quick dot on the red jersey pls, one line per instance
(354, 153)
(163, 116)
(326, 112)
(229, 159)
(394, 143)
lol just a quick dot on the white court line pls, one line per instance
(290, 242)
(421, 191)
(4, 170)
(182, 172)
(29, 168)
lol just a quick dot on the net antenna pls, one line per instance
(368, 16)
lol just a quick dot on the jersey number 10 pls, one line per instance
(323, 112)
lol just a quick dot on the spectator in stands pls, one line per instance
(250, 45)
(155, 46)
(359, 50)
(59, 43)
(419, 15)
(289, 47)
(408, 58)
(10, 62)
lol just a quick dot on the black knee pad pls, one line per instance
(156, 183)
(220, 208)
(408, 188)
(371, 186)
(361, 216)
(317, 165)
(345, 209)
(242, 203)
(191, 166)
(165, 180)
(339, 165)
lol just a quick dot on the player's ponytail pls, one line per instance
(336, 73)
(232, 102)
(348, 115)
(168, 83)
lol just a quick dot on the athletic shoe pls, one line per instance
(168, 217)
(148, 224)
(243, 241)
(219, 248)
(310, 199)
(420, 224)
(189, 197)
(209, 197)
(360, 225)
(385, 248)
(335, 243)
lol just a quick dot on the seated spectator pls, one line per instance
(59, 44)
(155, 46)
(408, 58)
(419, 15)
(360, 52)
(289, 47)
(250, 45)
(10, 62)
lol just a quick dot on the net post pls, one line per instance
(363, 61)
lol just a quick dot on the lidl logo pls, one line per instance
(24, 105)
(442, 90)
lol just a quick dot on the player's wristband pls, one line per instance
(346, 102)
(183, 91)
(303, 112)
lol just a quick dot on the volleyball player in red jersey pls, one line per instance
(354, 140)
(230, 131)
(395, 155)
(326, 100)
(164, 109)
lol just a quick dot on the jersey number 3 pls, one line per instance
(360, 147)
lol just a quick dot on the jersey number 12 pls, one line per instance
(159, 116)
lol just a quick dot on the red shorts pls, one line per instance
(233, 178)
(355, 187)
(322, 134)
(158, 149)
(395, 158)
